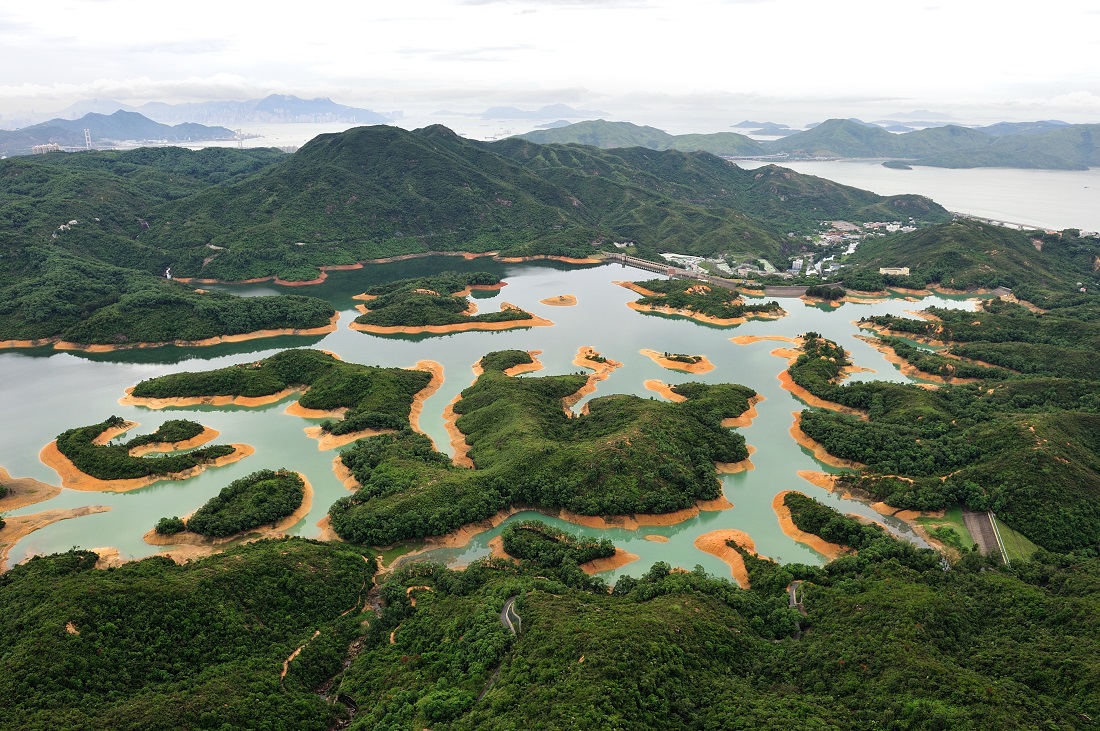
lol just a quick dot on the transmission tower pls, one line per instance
(87, 139)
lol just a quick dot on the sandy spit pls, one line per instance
(596, 565)
(745, 419)
(664, 389)
(750, 339)
(600, 372)
(819, 451)
(703, 366)
(74, 479)
(656, 538)
(819, 544)
(21, 526)
(24, 491)
(714, 543)
(425, 393)
(564, 300)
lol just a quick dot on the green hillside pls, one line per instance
(283, 634)
(119, 126)
(1073, 147)
(108, 226)
(966, 254)
(603, 134)
(845, 138)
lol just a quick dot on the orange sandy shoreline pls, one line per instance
(600, 372)
(19, 527)
(702, 366)
(73, 479)
(715, 543)
(59, 344)
(830, 551)
(24, 491)
(436, 371)
(750, 339)
(183, 401)
(819, 452)
(193, 545)
(907, 368)
(533, 321)
(745, 419)
(206, 435)
(620, 559)
(564, 300)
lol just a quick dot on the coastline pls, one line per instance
(59, 344)
(24, 491)
(600, 372)
(715, 543)
(598, 565)
(19, 527)
(701, 366)
(417, 407)
(830, 551)
(533, 321)
(73, 479)
(184, 401)
(206, 435)
(908, 369)
(819, 452)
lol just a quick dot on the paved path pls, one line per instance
(509, 618)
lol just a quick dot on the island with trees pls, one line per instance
(365, 397)
(89, 458)
(437, 305)
(260, 499)
(712, 305)
(626, 455)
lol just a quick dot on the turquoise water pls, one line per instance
(45, 392)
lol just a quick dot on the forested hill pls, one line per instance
(94, 227)
(1023, 145)
(119, 126)
(381, 191)
(967, 254)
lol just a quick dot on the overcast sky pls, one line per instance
(647, 61)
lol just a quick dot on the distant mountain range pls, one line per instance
(275, 108)
(1045, 144)
(105, 131)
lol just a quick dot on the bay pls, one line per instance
(45, 392)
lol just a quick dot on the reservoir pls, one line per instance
(45, 392)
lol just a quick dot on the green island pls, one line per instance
(715, 302)
(262, 498)
(1027, 448)
(113, 461)
(432, 302)
(626, 455)
(375, 398)
(825, 292)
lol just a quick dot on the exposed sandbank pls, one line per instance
(550, 257)
(640, 520)
(656, 538)
(436, 371)
(20, 526)
(600, 371)
(664, 389)
(73, 479)
(183, 401)
(109, 557)
(206, 435)
(829, 550)
(819, 452)
(715, 543)
(745, 419)
(635, 287)
(24, 491)
(907, 368)
(533, 321)
(564, 300)
(596, 565)
(750, 339)
(326, 441)
(461, 449)
(701, 366)
(881, 330)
